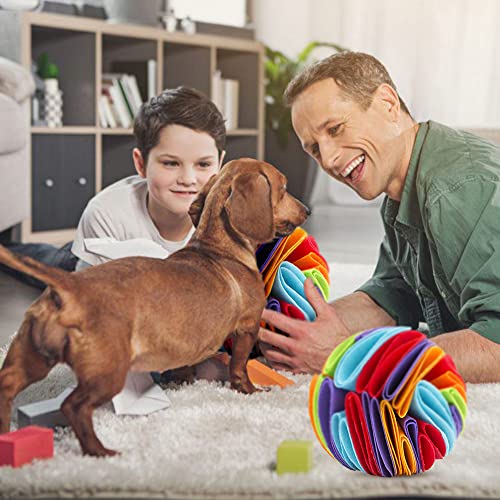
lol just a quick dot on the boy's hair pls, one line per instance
(358, 75)
(180, 106)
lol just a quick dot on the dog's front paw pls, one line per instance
(244, 386)
(101, 452)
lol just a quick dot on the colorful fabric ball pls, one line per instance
(388, 402)
(285, 263)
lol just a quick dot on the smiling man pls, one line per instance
(439, 262)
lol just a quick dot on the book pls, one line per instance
(151, 78)
(108, 112)
(135, 95)
(231, 97)
(126, 97)
(144, 72)
(119, 81)
(217, 89)
(111, 87)
(120, 107)
(225, 95)
(103, 122)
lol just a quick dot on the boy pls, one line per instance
(180, 138)
(180, 144)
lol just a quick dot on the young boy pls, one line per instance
(180, 144)
(180, 137)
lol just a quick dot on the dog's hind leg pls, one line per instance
(23, 365)
(79, 406)
(238, 375)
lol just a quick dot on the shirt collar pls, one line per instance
(407, 211)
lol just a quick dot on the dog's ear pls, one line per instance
(249, 207)
(196, 208)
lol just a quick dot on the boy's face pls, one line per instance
(178, 167)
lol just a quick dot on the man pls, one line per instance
(439, 262)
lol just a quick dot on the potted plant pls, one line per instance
(282, 146)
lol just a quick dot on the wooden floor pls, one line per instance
(344, 235)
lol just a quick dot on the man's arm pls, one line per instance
(309, 344)
(477, 358)
(360, 312)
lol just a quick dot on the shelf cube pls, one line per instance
(21, 447)
(294, 456)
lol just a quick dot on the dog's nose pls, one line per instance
(308, 210)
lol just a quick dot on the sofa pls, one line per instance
(16, 87)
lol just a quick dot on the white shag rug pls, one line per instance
(216, 443)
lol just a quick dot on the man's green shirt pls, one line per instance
(439, 262)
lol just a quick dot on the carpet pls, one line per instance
(216, 443)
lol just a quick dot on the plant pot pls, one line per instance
(135, 12)
(294, 163)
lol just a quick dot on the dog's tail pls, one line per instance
(51, 276)
(49, 334)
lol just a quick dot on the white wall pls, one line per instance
(282, 24)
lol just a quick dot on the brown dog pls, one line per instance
(152, 315)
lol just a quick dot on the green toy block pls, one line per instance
(294, 456)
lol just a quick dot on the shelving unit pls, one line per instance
(72, 163)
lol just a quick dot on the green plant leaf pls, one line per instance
(306, 52)
(52, 71)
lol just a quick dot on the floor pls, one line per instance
(344, 235)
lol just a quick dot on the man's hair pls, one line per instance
(180, 106)
(358, 75)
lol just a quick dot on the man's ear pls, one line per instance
(389, 99)
(249, 207)
(196, 208)
(139, 164)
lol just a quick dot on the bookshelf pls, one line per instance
(70, 164)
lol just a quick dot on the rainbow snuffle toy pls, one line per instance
(388, 402)
(285, 263)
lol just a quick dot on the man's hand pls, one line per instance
(309, 343)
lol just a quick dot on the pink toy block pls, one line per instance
(20, 447)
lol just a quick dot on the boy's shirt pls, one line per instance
(120, 212)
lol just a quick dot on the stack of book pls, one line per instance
(124, 91)
(225, 95)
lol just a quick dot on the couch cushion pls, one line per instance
(15, 80)
(14, 125)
